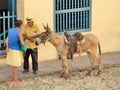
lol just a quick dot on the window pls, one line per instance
(72, 15)
(8, 15)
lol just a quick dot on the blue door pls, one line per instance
(7, 17)
(72, 15)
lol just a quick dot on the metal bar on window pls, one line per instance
(78, 23)
(56, 22)
(57, 2)
(60, 4)
(81, 3)
(72, 4)
(86, 3)
(75, 21)
(75, 4)
(63, 21)
(13, 5)
(66, 4)
(13, 18)
(59, 22)
(84, 20)
(81, 21)
(67, 21)
(90, 13)
(69, 4)
(63, 4)
(4, 36)
(8, 13)
(72, 21)
(73, 10)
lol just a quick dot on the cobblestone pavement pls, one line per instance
(51, 66)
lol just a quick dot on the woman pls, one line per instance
(14, 55)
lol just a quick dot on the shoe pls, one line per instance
(35, 73)
(25, 71)
(16, 83)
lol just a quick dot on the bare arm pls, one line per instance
(31, 37)
(21, 38)
(7, 48)
(7, 42)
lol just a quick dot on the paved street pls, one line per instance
(51, 66)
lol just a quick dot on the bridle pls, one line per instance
(43, 40)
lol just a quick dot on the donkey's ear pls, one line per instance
(47, 25)
(44, 26)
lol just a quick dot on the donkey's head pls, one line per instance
(46, 28)
(45, 35)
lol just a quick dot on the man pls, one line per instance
(31, 31)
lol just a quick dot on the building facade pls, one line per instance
(100, 17)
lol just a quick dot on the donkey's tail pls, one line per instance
(99, 47)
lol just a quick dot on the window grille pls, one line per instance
(72, 15)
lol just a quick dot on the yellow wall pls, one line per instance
(105, 22)
(20, 9)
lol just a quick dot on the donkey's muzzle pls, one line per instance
(38, 41)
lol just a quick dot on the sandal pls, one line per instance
(16, 83)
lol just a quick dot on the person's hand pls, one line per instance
(7, 49)
(31, 40)
(28, 37)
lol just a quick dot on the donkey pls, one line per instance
(88, 44)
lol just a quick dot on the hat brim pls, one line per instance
(30, 21)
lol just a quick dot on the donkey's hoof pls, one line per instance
(66, 77)
(88, 73)
(99, 73)
(62, 75)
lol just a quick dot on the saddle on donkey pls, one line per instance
(72, 41)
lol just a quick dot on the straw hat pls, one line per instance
(29, 19)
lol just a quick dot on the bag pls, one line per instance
(23, 48)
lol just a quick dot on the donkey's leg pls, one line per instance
(98, 58)
(65, 65)
(64, 72)
(63, 69)
(91, 61)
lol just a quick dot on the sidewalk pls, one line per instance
(48, 67)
